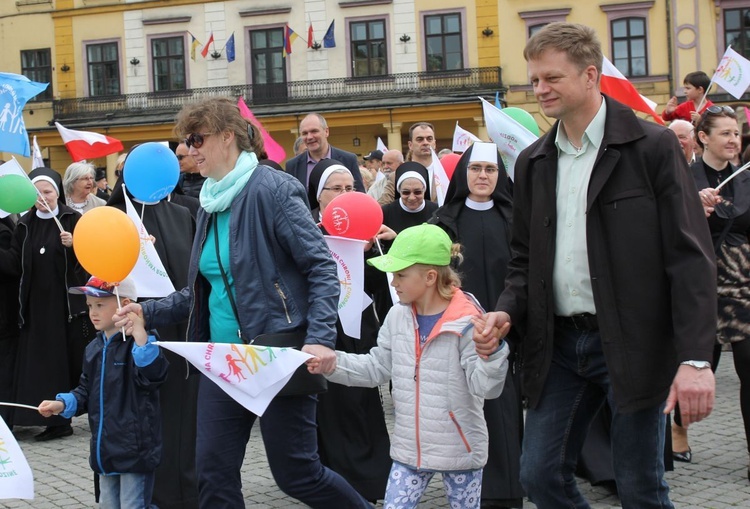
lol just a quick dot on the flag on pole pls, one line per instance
(617, 86)
(289, 37)
(251, 375)
(440, 179)
(510, 136)
(149, 275)
(462, 139)
(193, 46)
(230, 48)
(310, 36)
(275, 151)
(328, 40)
(733, 73)
(87, 145)
(204, 51)
(350, 264)
(15, 90)
(37, 159)
(16, 478)
(381, 146)
(498, 104)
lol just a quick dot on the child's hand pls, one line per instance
(489, 330)
(672, 104)
(137, 329)
(323, 362)
(49, 408)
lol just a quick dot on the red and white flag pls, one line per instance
(310, 36)
(617, 86)
(87, 145)
(733, 73)
(462, 139)
(275, 151)
(381, 146)
(251, 375)
(16, 478)
(204, 51)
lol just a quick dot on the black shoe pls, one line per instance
(53, 432)
(685, 457)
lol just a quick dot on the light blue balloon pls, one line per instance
(151, 171)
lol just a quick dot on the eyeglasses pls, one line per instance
(408, 192)
(85, 178)
(718, 110)
(489, 170)
(340, 189)
(196, 139)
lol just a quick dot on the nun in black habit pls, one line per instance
(175, 485)
(412, 206)
(352, 436)
(54, 326)
(477, 214)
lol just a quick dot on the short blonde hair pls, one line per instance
(447, 280)
(577, 41)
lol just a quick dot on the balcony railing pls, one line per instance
(446, 83)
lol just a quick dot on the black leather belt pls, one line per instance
(584, 321)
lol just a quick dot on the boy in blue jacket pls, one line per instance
(119, 390)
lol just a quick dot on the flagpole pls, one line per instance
(730, 177)
(19, 405)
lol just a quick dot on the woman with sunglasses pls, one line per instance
(258, 266)
(728, 215)
(477, 214)
(352, 435)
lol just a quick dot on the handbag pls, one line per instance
(303, 382)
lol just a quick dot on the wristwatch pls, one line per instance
(696, 364)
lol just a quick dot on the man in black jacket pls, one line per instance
(612, 282)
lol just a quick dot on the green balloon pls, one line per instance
(524, 118)
(17, 193)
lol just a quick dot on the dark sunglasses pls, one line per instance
(718, 110)
(196, 140)
(181, 157)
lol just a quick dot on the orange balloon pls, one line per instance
(106, 243)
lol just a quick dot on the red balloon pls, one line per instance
(354, 216)
(449, 162)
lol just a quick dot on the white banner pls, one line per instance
(733, 73)
(251, 375)
(349, 256)
(149, 275)
(509, 136)
(462, 139)
(37, 160)
(381, 146)
(16, 479)
(440, 179)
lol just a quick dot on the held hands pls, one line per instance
(137, 329)
(709, 199)
(66, 238)
(49, 408)
(489, 330)
(694, 389)
(324, 360)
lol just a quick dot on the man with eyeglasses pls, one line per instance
(191, 181)
(314, 131)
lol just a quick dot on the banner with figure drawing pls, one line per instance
(15, 90)
(251, 375)
(16, 479)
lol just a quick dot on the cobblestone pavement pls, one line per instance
(717, 478)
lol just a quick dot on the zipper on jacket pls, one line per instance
(101, 407)
(283, 301)
(418, 350)
(460, 431)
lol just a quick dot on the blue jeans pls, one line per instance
(290, 438)
(575, 389)
(126, 491)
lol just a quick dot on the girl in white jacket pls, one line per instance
(439, 382)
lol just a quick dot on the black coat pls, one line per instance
(297, 167)
(650, 256)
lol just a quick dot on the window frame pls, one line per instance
(46, 95)
(616, 12)
(534, 19)
(87, 68)
(385, 19)
(152, 61)
(730, 5)
(462, 23)
(629, 39)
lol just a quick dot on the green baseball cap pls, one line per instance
(427, 244)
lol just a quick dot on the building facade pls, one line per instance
(372, 67)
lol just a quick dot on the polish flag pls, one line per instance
(87, 145)
(275, 151)
(617, 86)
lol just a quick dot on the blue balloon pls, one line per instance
(151, 171)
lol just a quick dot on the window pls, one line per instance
(368, 48)
(629, 46)
(737, 30)
(36, 64)
(536, 20)
(103, 63)
(168, 54)
(535, 28)
(443, 42)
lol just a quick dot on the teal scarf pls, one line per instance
(217, 195)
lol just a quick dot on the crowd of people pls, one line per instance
(599, 286)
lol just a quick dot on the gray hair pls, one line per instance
(681, 123)
(297, 144)
(74, 172)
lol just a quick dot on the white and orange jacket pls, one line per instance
(438, 389)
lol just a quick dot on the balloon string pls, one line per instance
(119, 308)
